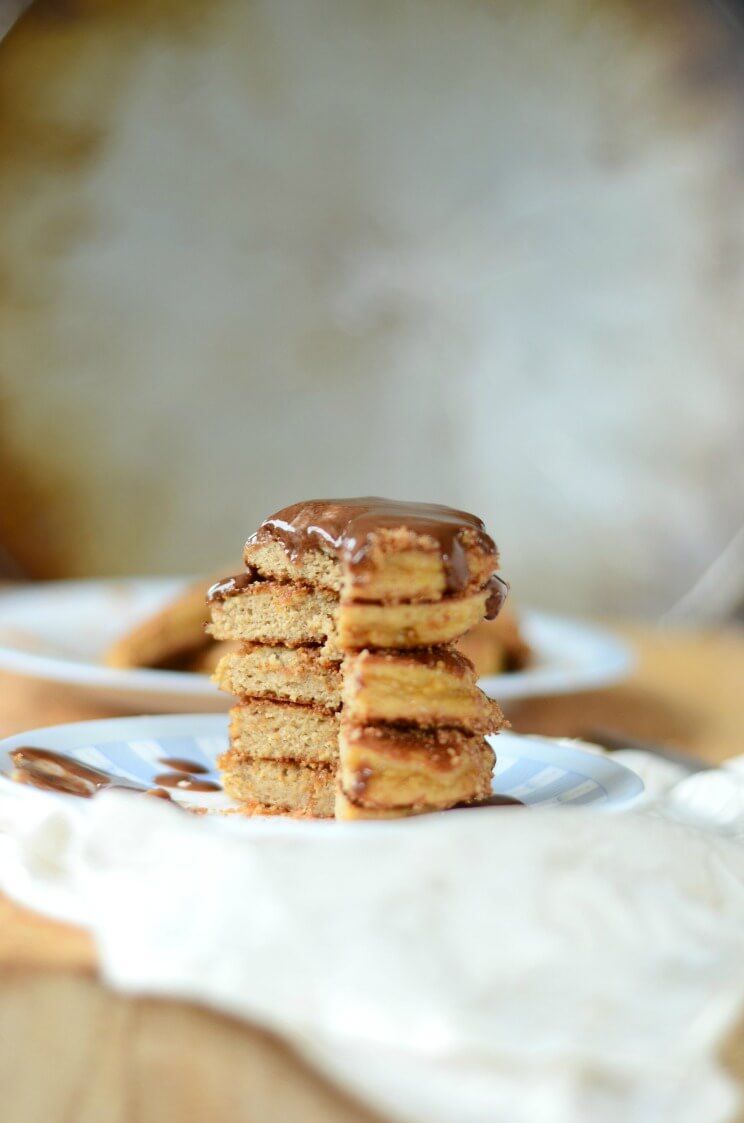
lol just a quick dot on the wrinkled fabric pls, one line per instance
(557, 966)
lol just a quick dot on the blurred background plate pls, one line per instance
(567, 656)
(58, 632)
(535, 770)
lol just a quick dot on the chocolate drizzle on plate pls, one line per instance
(180, 764)
(489, 801)
(498, 801)
(185, 782)
(55, 772)
(347, 527)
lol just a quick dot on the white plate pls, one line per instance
(569, 656)
(58, 632)
(535, 770)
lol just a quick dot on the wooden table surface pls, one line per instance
(74, 1050)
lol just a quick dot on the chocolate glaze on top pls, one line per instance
(230, 586)
(347, 528)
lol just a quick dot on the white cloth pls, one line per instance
(481, 966)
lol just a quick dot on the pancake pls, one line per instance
(167, 638)
(436, 686)
(375, 549)
(279, 785)
(497, 646)
(283, 731)
(266, 612)
(300, 674)
(386, 767)
(409, 625)
(401, 567)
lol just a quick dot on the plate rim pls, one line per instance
(532, 682)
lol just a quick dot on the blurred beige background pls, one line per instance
(488, 254)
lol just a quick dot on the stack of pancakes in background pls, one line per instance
(352, 699)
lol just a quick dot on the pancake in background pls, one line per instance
(497, 646)
(172, 639)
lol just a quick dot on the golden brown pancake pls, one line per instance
(497, 646)
(436, 686)
(293, 615)
(166, 638)
(389, 768)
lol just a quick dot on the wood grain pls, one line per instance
(73, 1050)
(687, 692)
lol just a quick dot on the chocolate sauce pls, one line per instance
(185, 783)
(180, 764)
(496, 801)
(497, 590)
(230, 586)
(54, 772)
(348, 526)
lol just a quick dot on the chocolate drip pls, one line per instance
(347, 527)
(230, 586)
(496, 801)
(180, 764)
(497, 590)
(185, 783)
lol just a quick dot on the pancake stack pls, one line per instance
(352, 699)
